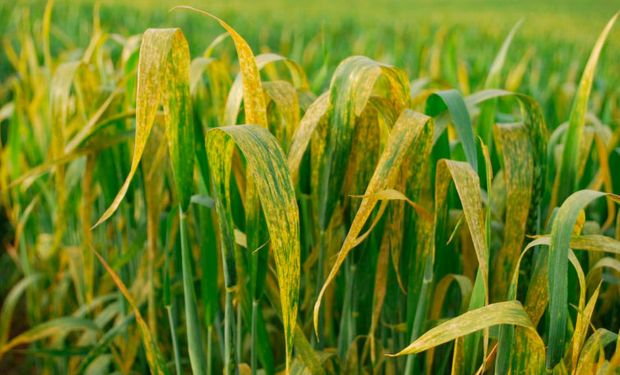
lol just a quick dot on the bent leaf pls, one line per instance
(9, 303)
(267, 166)
(453, 102)
(315, 112)
(49, 329)
(510, 312)
(561, 232)
(163, 78)
(154, 358)
(410, 129)
(253, 98)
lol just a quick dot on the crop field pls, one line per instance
(322, 187)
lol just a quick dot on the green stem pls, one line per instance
(419, 316)
(318, 341)
(345, 335)
(175, 344)
(209, 349)
(196, 354)
(152, 245)
(238, 336)
(228, 328)
(254, 343)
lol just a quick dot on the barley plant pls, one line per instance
(444, 202)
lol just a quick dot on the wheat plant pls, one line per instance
(171, 211)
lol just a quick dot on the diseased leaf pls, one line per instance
(303, 134)
(468, 187)
(518, 173)
(592, 349)
(561, 232)
(237, 91)
(155, 360)
(510, 312)
(163, 79)
(570, 155)
(534, 123)
(9, 303)
(254, 101)
(409, 129)
(267, 166)
(350, 90)
(588, 242)
(49, 329)
(582, 325)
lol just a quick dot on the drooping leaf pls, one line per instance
(154, 357)
(9, 303)
(237, 91)
(267, 166)
(350, 89)
(49, 329)
(254, 101)
(410, 129)
(510, 312)
(163, 79)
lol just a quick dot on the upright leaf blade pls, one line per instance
(561, 232)
(570, 154)
(453, 102)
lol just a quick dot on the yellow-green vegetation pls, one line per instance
(206, 197)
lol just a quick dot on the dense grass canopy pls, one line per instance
(328, 188)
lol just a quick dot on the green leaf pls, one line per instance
(104, 342)
(488, 110)
(194, 340)
(561, 232)
(570, 155)
(453, 102)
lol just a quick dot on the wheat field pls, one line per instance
(206, 195)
